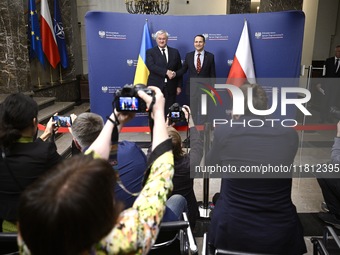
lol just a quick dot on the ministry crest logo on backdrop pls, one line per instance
(101, 34)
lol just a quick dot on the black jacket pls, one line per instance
(27, 162)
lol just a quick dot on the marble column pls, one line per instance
(239, 6)
(17, 73)
(68, 10)
(280, 5)
(14, 64)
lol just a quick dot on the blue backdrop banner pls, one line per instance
(114, 39)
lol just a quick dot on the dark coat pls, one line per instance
(255, 215)
(158, 67)
(27, 162)
(207, 71)
(183, 183)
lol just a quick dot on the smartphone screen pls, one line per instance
(63, 121)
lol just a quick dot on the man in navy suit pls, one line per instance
(199, 64)
(163, 62)
(331, 87)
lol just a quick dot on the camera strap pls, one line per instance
(151, 121)
(188, 129)
(115, 134)
(114, 140)
(155, 154)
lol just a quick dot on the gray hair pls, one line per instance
(160, 32)
(86, 128)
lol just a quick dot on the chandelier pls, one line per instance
(147, 6)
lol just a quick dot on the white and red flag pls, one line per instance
(242, 68)
(49, 42)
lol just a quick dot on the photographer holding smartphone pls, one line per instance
(73, 210)
(62, 121)
(24, 156)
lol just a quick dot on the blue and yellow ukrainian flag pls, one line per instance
(142, 72)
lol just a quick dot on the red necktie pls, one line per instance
(198, 65)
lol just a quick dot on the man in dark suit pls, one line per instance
(199, 64)
(162, 62)
(330, 87)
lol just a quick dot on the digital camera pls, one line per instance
(62, 121)
(175, 113)
(127, 99)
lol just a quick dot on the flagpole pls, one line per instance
(38, 71)
(39, 84)
(38, 75)
(51, 77)
(60, 75)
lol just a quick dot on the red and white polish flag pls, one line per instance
(49, 42)
(242, 68)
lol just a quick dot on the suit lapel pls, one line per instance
(192, 62)
(205, 60)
